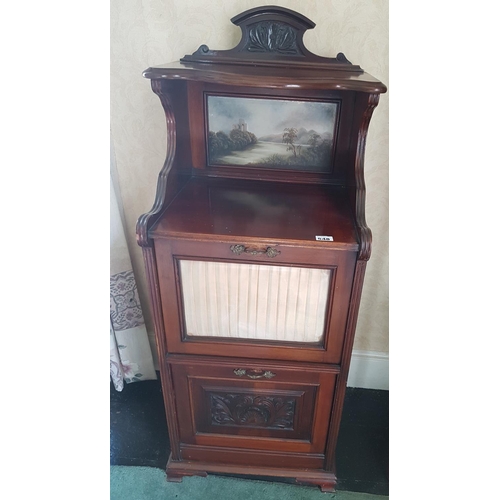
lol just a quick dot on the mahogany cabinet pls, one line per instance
(255, 250)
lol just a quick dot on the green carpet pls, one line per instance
(148, 483)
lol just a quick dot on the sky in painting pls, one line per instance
(269, 116)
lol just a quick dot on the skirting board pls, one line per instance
(369, 370)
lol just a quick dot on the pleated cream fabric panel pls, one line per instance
(254, 301)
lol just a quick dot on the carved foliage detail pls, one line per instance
(252, 411)
(272, 37)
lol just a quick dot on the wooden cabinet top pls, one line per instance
(270, 54)
(264, 77)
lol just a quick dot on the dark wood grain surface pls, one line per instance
(169, 282)
(277, 78)
(213, 207)
(288, 425)
(310, 392)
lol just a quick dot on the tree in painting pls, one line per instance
(220, 144)
(289, 136)
(316, 151)
(314, 140)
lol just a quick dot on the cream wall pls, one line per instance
(150, 32)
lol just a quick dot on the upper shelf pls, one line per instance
(224, 209)
(270, 54)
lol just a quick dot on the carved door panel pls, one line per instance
(252, 404)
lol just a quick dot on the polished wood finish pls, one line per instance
(272, 36)
(218, 208)
(260, 77)
(345, 363)
(287, 412)
(174, 174)
(342, 263)
(303, 475)
(248, 406)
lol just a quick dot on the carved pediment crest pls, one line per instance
(271, 36)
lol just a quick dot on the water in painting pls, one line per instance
(273, 133)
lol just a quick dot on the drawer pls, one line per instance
(236, 403)
(262, 299)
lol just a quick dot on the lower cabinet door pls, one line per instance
(228, 408)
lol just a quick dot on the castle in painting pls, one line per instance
(241, 125)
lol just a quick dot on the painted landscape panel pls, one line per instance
(271, 133)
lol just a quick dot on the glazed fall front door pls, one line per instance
(219, 296)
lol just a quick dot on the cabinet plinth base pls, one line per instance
(176, 470)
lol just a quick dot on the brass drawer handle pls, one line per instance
(239, 249)
(241, 372)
